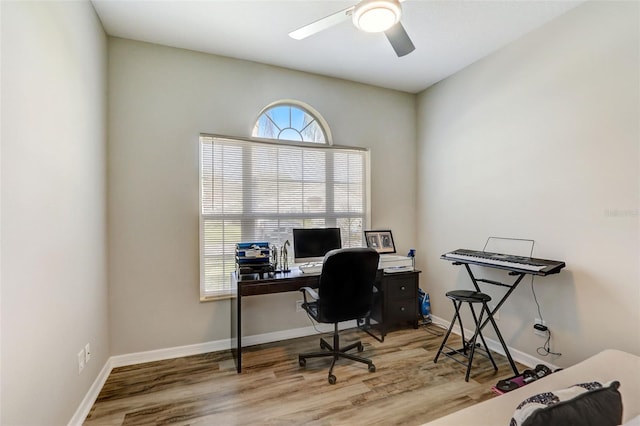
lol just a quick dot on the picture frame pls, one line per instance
(380, 240)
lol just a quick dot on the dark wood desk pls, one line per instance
(397, 292)
(252, 286)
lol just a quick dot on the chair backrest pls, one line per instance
(346, 284)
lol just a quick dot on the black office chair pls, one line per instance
(345, 292)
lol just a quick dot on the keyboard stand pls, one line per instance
(511, 287)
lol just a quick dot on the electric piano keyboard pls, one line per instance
(520, 264)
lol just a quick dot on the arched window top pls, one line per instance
(293, 121)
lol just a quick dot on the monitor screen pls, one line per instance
(311, 244)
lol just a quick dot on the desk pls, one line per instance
(397, 292)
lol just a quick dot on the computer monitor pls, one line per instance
(311, 244)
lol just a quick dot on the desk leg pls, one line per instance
(236, 331)
(364, 324)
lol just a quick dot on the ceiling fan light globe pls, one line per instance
(374, 16)
(376, 20)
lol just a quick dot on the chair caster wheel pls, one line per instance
(360, 347)
(302, 362)
(372, 368)
(332, 379)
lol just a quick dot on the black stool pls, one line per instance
(468, 347)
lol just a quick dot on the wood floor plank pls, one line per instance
(407, 387)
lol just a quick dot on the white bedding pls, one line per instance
(608, 365)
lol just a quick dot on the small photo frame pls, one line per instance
(381, 241)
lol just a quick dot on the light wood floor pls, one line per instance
(407, 388)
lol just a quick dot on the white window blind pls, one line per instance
(259, 191)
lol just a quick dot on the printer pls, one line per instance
(392, 263)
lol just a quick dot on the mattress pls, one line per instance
(603, 367)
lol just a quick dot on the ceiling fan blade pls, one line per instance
(322, 24)
(399, 40)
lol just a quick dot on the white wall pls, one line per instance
(540, 140)
(54, 282)
(160, 99)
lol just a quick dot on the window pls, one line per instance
(260, 190)
(290, 121)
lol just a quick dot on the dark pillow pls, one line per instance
(585, 404)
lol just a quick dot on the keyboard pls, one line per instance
(311, 268)
(505, 261)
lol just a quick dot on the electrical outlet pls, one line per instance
(541, 333)
(87, 353)
(299, 306)
(81, 361)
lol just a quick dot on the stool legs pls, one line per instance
(471, 344)
(446, 336)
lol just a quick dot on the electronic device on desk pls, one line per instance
(312, 268)
(393, 263)
(311, 244)
(253, 258)
(397, 269)
(382, 242)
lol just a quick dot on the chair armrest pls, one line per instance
(311, 292)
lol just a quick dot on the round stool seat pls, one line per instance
(468, 296)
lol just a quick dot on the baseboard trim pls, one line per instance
(221, 345)
(495, 346)
(258, 339)
(90, 398)
(295, 333)
(169, 353)
(179, 351)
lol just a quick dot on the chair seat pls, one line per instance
(468, 296)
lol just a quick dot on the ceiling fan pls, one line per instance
(374, 16)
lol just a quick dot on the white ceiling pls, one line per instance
(448, 35)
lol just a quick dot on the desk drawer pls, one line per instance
(402, 287)
(402, 310)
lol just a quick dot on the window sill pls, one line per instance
(216, 298)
